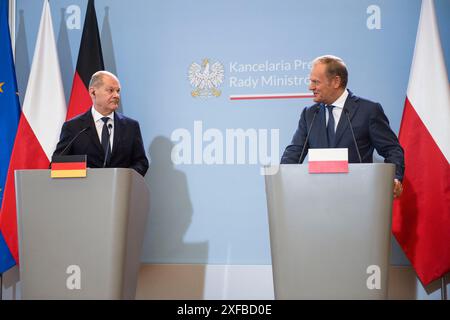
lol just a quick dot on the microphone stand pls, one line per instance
(307, 135)
(353, 135)
(68, 145)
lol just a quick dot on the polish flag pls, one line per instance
(328, 160)
(421, 218)
(43, 114)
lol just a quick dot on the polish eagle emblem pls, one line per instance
(206, 78)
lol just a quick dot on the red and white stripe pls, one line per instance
(421, 220)
(328, 160)
(271, 96)
(43, 114)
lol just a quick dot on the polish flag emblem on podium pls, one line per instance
(330, 160)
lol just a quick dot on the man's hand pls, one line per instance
(398, 188)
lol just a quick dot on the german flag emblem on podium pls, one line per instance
(69, 166)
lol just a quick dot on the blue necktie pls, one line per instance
(105, 138)
(330, 127)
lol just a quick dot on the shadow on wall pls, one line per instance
(170, 217)
(170, 211)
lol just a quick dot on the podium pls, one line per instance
(80, 238)
(330, 233)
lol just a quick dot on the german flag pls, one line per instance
(90, 60)
(69, 166)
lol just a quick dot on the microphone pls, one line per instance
(73, 140)
(309, 131)
(107, 145)
(353, 135)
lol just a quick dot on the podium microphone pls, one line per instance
(107, 145)
(353, 135)
(68, 145)
(307, 135)
(72, 141)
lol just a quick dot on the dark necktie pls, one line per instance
(105, 138)
(330, 127)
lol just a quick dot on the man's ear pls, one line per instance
(92, 91)
(337, 82)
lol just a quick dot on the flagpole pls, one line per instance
(443, 288)
(12, 25)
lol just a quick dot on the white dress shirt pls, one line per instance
(99, 125)
(337, 110)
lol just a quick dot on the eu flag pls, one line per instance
(9, 117)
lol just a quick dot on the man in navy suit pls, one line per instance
(334, 101)
(108, 138)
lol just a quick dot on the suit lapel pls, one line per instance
(92, 132)
(118, 129)
(323, 140)
(318, 135)
(352, 107)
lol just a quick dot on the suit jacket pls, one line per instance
(128, 148)
(371, 128)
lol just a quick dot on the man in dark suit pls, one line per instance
(329, 122)
(108, 138)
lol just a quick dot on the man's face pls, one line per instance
(106, 96)
(325, 90)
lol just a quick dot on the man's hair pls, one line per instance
(335, 66)
(97, 78)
